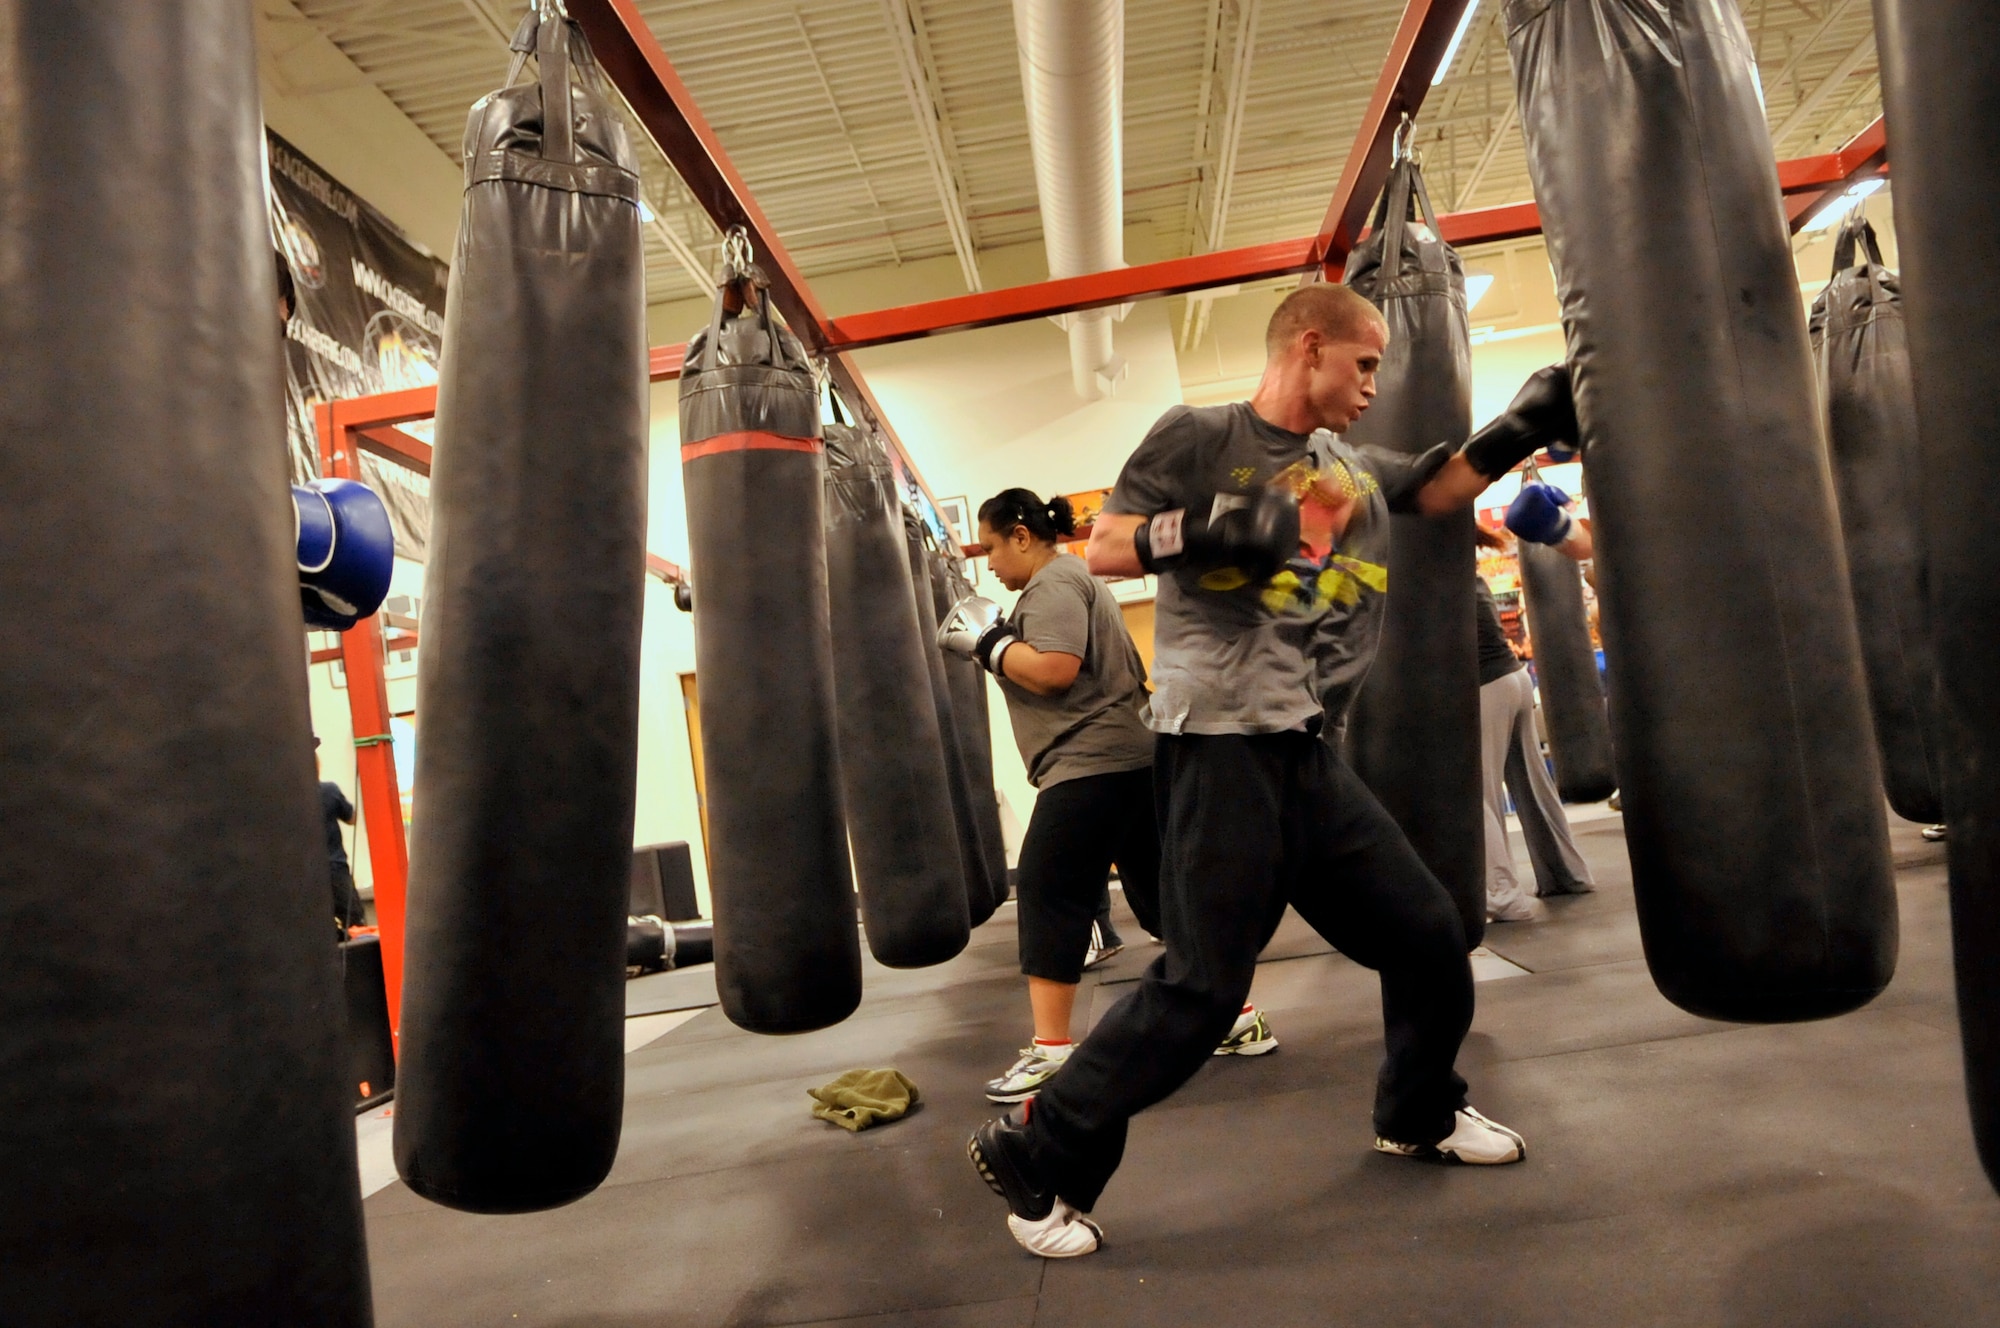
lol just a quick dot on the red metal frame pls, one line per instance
(1414, 55)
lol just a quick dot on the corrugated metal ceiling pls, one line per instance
(821, 110)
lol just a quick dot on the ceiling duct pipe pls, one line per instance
(1072, 56)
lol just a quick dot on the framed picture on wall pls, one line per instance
(957, 513)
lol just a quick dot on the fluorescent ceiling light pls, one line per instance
(645, 212)
(1476, 286)
(1464, 24)
(1831, 214)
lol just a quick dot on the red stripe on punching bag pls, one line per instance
(748, 442)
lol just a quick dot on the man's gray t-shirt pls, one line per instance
(1230, 656)
(1097, 727)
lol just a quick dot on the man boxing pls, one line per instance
(1270, 537)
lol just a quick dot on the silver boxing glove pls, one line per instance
(975, 630)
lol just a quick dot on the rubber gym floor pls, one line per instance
(1679, 1171)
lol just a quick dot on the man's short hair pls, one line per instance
(1335, 311)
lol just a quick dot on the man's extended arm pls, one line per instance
(1542, 413)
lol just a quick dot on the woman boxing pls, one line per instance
(1076, 696)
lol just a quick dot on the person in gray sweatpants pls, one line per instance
(1511, 755)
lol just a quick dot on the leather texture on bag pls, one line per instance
(787, 952)
(1863, 353)
(1566, 675)
(511, 1086)
(892, 763)
(975, 735)
(1752, 793)
(979, 901)
(1941, 90)
(1413, 731)
(178, 1134)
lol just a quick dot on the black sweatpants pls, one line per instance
(1079, 828)
(1251, 823)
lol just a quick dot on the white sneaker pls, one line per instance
(1026, 1076)
(1476, 1142)
(1251, 1036)
(1524, 909)
(1063, 1234)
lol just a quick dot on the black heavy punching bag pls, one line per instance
(1413, 733)
(892, 769)
(979, 900)
(1871, 428)
(1753, 806)
(512, 1080)
(1566, 674)
(975, 735)
(979, 745)
(1941, 86)
(787, 955)
(176, 1125)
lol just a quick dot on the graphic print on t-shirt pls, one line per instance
(1318, 575)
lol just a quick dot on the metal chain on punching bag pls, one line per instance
(510, 1092)
(1413, 733)
(787, 954)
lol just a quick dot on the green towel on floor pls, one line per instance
(861, 1098)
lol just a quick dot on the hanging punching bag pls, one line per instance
(176, 1121)
(511, 1086)
(1753, 810)
(899, 818)
(1413, 732)
(787, 956)
(971, 861)
(979, 747)
(1871, 428)
(1566, 674)
(1941, 87)
(975, 741)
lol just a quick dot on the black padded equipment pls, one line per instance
(787, 952)
(975, 732)
(1941, 87)
(892, 765)
(987, 799)
(178, 1126)
(371, 1047)
(1871, 436)
(1566, 675)
(1413, 731)
(512, 1073)
(979, 895)
(663, 882)
(1752, 795)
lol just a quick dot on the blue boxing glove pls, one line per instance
(346, 551)
(1539, 514)
(1561, 451)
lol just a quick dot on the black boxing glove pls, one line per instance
(1255, 533)
(1542, 414)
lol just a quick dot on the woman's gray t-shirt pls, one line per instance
(1097, 726)
(1233, 656)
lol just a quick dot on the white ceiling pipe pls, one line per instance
(1072, 55)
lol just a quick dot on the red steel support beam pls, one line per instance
(1860, 158)
(632, 56)
(362, 653)
(1414, 55)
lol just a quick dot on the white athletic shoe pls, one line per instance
(1524, 909)
(1101, 947)
(1477, 1142)
(1251, 1036)
(1024, 1079)
(1063, 1234)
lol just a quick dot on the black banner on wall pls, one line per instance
(370, 319)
